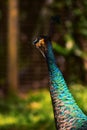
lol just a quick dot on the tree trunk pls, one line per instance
(13, 30)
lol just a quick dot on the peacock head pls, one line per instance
(41, 44)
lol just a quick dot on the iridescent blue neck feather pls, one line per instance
(67, 114)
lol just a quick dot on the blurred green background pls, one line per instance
(25, 101)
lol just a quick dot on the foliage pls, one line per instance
(73, 14)
(35, 111)
(71, 35)
(73, 21)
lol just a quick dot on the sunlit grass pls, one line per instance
(5, 120)
(35, 111)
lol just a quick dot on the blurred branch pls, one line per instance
(66, 52)
(58, 48)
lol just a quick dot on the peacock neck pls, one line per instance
(51, 60)
(51, 63)
(56, 78)
(64, 105)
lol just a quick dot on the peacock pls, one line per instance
(67, 114)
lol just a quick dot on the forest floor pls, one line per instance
(33, 108)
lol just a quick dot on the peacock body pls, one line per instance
(67, 114)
